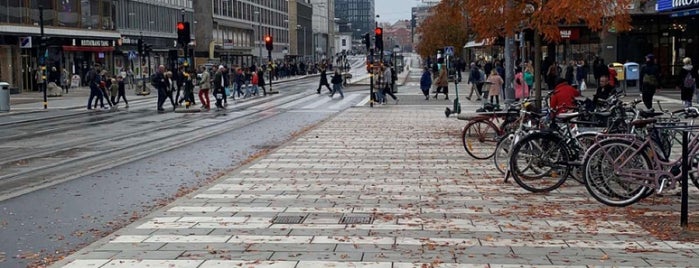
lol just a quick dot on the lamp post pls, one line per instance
(259, 35)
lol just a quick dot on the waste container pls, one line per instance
(633, 73)
(4, 97)
(619, 68)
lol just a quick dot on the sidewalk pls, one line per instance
(390, 186)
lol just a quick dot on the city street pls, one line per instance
(354, 186)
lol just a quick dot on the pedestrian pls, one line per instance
(443, 84)
(171, 88)
(604, 91)
(563, 96)
(160, 83)
(570, 73)
(688, 78)
(336, 80)
(324, 81)
(426, 82)
(476, 81)
(495, 83)
(65, 80)
(113, 90)
(121, 91)
(93, 80)
(179, 80)
(521, 87)
(650, 76)
(204, 86)
(599, 69)
(552, 75)
(254, 81)
(388, 78)
(379, 85)
(105, 87)
(226, 75)
(581, 73)
(261, 81)
(529, 76)
(219, 85)
(239, 81)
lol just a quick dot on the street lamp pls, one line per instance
(258, 36)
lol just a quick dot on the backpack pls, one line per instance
(688, 81)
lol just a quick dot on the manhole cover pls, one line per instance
(357, 219)
(288, 219)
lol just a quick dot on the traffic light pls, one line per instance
(147, 48)
(183, 33)
(269, 43)
(378, 33)
(367, 41)
(140, 46)
(44, 41)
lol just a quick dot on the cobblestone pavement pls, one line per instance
(389, 186)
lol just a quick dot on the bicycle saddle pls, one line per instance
(642, 122)
(649, 113)
(567, 116)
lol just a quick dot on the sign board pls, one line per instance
(25, 42)
(449, 51)
(570, 33)
(132, 55)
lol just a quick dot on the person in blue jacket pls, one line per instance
(426, 83)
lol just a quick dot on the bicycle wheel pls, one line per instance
(480, 139)
(539, 162)
(601, 180)
(502, 153)
(584, 141)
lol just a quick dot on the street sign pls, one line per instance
(25, 42)
(449, 51)
(132, 55)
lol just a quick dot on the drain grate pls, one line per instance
(288, 219)
(357, 219)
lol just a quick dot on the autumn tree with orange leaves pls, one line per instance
(503, 18)
(446, 26)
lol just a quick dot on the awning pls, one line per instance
(685, 13)
(88, 49)
(482, 43)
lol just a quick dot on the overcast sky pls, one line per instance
(394, 10)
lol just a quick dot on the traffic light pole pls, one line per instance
(371, 78)
(46, 61)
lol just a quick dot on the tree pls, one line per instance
(503, 18)
(446, 26)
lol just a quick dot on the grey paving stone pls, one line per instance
(130, 246)
(293, 247)
(410, 233)
(408, 256)
(204, 247)
(508, 258)
(192, 231)
(96, 255)
(558, 251)
(149, 255)
(328, 232)
(243, 231)
(220, 254)
(316, 256)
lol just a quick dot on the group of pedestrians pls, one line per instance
(385, 82)
(105, 87)
(336, 81)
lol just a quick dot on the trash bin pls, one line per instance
(4, 97)
(633, 73)
(619, 68)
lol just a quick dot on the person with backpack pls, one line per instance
(93, 79)
(687, 85)
(336, 80)
(650, 76)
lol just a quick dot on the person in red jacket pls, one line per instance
(563, 96)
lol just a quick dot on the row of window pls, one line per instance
(86, 14)
(144, 17)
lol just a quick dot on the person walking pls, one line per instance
(324, 81)
(94, 79)
(188, 96)
(261, 81)
(599, 69)
(121, 91)
(552, 75)
(581, 73)
(650, 76)
(239, 81)
(687, 85)
(426, 82)
(171, 88)
(254, 81)
(476, 81)
(179, 80)
(65, 79)
(495, 83)
(570, 73)
(160, 84)
(521, 87)
(204, 88)
(443, 84)
(529, 76)
(336, 80)
(219, 84)
(113, 91)
(387, 89)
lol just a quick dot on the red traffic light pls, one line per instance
(268, 38)
(378, 31)
(180, 26)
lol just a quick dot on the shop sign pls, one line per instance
(572, 34)
(665, 5)
(94, 43)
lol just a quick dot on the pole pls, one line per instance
(684, 211)
(143, 79)
(371, 77)
(46, 60)
(259, 30)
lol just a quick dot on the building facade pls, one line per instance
(361, 14)
(323, 28)
(80, 33)
(300, 30)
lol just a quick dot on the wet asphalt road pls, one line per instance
(100, 196)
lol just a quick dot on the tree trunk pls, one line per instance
(537, 68)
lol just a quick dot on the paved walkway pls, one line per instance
(389, 186)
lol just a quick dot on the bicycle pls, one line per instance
(481, 135)
(621, 169)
